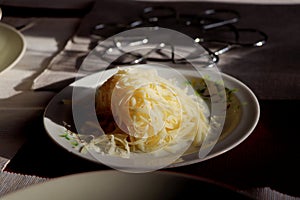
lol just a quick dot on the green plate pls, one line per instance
(12, 46)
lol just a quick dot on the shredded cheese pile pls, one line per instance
(149, 113)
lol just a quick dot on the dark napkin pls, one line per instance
(271, 71)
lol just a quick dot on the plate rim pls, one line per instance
(23, 48)
(172, 165)
(51, 184)
(240, 140)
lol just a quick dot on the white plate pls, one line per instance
(237, 126)
(116, 185)
(12, 46)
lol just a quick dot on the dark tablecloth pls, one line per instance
(268, 158)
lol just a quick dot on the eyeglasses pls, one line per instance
(214, 30)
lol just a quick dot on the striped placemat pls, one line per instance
(268, 194)
(10, 182)
(3, 163)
